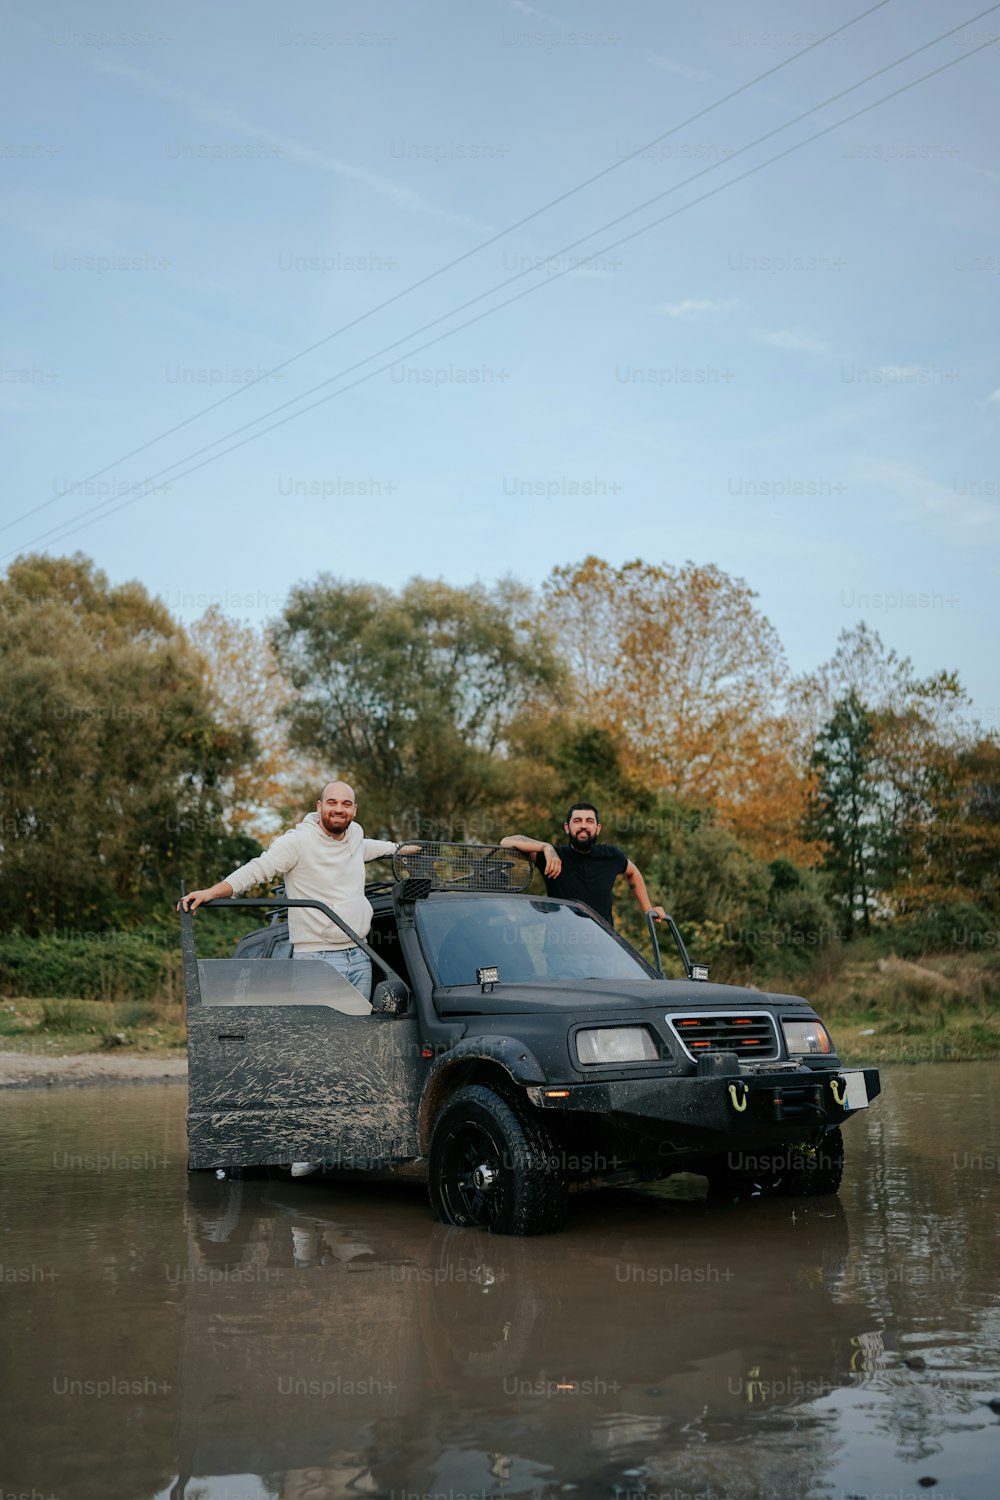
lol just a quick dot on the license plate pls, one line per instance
(857, 1091)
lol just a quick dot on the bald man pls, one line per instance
(323, 859)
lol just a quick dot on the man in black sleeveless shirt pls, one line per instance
(584, 869)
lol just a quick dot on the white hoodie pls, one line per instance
(318, 867)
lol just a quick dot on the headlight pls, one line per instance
(616, 1044)
(806, 1036)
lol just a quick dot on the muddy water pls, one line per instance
(167, 1337)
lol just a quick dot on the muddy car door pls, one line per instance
(281, 1070)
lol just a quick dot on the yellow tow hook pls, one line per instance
(840, 1083)
(739, 1101)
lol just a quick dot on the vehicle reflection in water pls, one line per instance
(338, 1344)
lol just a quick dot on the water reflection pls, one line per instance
(167, 1335)
(343, 1343)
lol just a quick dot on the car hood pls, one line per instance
(602, 995)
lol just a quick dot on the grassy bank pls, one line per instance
(880, 1009)
(64, 1027)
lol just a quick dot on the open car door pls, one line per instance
(282, 1068)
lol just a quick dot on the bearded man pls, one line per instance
(584, 869)
(322, 859)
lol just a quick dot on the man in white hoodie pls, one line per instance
(323, 859)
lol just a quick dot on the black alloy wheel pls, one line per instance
(492, 1165)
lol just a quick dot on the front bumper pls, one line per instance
(709, 1113)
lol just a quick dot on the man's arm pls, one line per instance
(634, 877)
(383, 848)
(531, 847)
(277, 859)
(377, 849)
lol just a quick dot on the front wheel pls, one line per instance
(803, 1170)
(814, 1171)
(492, 1165)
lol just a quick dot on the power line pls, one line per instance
(563, 250)
(448, 266)
(488, 312)
(100, 506)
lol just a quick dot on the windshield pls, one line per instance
(529, 942)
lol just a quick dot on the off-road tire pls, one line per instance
(799, 1171)
(481, 1127)
(819, 1172)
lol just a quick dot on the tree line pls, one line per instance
(767, 811)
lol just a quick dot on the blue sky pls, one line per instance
(797, 379)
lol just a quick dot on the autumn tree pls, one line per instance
(898, 803)
(114, 763)
(954, 846)
(682, 666)
(881, 679)
(413, 695)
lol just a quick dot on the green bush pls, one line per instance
(143, 964)
(64, 1015)
(90, 966)
(944, 929)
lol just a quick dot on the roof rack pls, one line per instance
(464, 867)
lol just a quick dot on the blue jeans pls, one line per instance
(353, 963)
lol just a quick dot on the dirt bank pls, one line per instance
(31, 1070)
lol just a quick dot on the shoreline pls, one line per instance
(26, 1070)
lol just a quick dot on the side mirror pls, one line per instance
(391, 998)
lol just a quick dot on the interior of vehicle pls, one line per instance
(385, 940)
(528, 940)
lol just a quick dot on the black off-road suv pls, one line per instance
(516, 1049)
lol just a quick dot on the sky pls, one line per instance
(794, 374)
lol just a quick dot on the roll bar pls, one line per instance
(692, 971)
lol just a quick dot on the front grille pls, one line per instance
(748, 1033)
